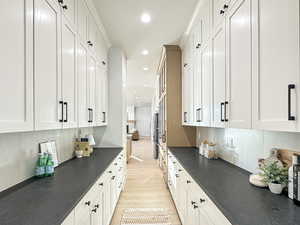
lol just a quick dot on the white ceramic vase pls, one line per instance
(275, 188)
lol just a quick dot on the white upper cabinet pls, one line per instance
(206, 81)
(239, 52)
(82, 20)
(69, 77)
(276, 65)
(83, 112)
(99, 101)
(69, 10)
(16, 65)
(219, 77)
(205, 21)
(91, 90)
(47, 66)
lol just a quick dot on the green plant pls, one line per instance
(272, 173)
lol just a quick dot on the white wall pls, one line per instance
(244, 147)
(19, 152)
(115, 133)
(143, 120)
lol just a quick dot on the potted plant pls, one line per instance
(275, 176)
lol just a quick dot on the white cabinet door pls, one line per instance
(91, 89)
(69, 77)
(47, 66)
(82, 20)
(205, 20)
(98, 112)
(16, 65)
(219, 77)
(70, 220)
(83, 113)
(104, 97)
(69, 9)
(97, 209)
(276, 64)
(206, 88)
(197, 76)
(92, 33)
(83, 211)
(239, 64)
(107, 200)
(184, 86)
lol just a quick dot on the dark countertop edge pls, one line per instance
(215, 201)
(33, 179)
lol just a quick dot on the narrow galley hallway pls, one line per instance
(145, 187)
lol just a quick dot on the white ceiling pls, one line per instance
(121, 19)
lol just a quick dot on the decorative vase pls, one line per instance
(275, 188)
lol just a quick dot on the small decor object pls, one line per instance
(50, 148)
(82, 148)
(49, 168)
(275, 176)
(211, 152)
(40, 165)
(203, 147)
(257, 180)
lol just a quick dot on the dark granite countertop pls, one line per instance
(48, 201)
(229, 188)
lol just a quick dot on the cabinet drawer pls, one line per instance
(82, 210)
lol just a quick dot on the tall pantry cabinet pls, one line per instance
(16, 66)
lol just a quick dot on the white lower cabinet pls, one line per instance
(98, 205)
(193, 205)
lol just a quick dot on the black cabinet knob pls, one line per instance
(94, 210)
(101, 184)
(110, 171)
(97, 206)
(103, 63)
(188, 181)
(113, 177)
(202, 200)
(222, 12)
(193, 203)
(60, 1)
(225, 6)
(88, 203)
(65, 7)
(196, 207)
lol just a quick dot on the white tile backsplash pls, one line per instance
(244, 147)
(18, 152)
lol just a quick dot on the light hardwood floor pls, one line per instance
(145, 187)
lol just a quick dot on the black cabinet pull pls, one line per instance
(62, 111)
(65, 7)
(103, 63)
(89, 111)
(290, 87)
(113, 177)
(92, 115)
(202, 200)
(225, 111)
(104, 117)
(198, 119)
(101, 184)
(222, 106)
(225, 6)
(176, 175)
(185, 65)
(185, 117)
(66, 106)
(97, 206)
(188, 181)
(198, 45)
(94, 210)
(222, 11)
(60, 1)
(196, 207)
(193, 203)
(110, 171)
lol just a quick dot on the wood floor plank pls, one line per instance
(145, 187)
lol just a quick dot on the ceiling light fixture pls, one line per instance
(145, 52)
(145, 18)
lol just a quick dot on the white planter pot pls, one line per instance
(275, 188)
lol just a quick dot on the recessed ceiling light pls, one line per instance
(145, 68)
(145, 18)
(145, 52)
